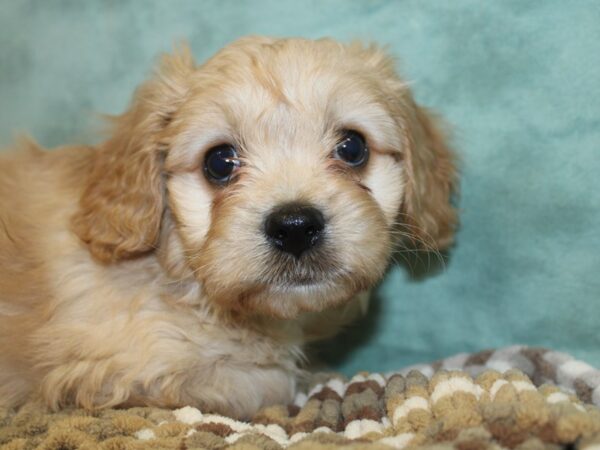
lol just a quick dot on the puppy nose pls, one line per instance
(294, 228)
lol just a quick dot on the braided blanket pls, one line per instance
(516, 397)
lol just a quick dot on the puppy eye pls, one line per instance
(352, 149)
(220, 162)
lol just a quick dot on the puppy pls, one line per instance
(238, 210)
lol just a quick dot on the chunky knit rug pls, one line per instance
(517, 397)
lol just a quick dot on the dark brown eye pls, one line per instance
(219, 163)
(352, 149)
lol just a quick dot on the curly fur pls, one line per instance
(127, 278)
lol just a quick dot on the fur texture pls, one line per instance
(127, 278)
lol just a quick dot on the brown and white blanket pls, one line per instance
(516, 397)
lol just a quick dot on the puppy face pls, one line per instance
(289, 166)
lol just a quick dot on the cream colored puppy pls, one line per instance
(238, 209)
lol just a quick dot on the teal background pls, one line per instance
(518, 80)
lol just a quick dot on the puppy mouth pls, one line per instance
(307, 282)
(287, 286)
(311, 270)
(299, 281)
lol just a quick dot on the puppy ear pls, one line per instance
(432, 181)
(121, 206)
(428, 212)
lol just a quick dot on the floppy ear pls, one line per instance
(432, 181)
(121, 206)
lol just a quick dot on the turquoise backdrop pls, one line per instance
(518, 80)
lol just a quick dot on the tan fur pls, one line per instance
(127, 278)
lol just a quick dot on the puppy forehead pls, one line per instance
(281, 67)
(308, 80)
(288, 93)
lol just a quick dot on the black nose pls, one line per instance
(294, 228)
